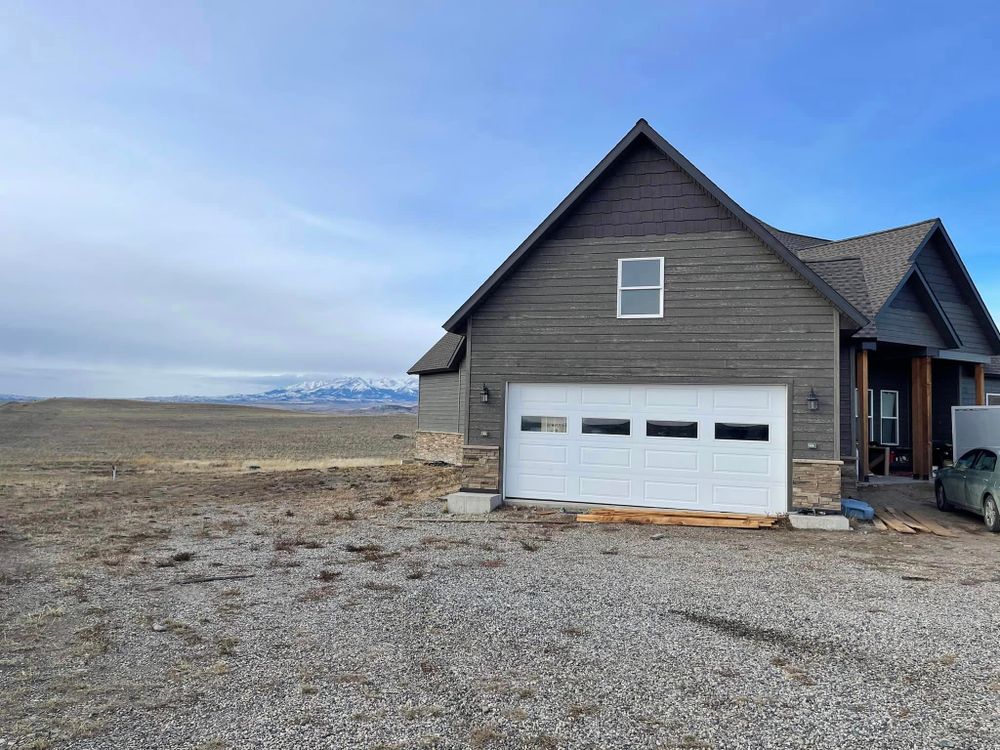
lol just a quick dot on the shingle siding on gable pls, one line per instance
(943, 280)
(646, 194)
(732, 312)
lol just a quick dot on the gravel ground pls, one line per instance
(363, 627)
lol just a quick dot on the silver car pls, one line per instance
(973, 483)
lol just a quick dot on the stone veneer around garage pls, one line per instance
(439, 446)
(481, 467)
(816, 484)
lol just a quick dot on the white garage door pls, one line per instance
(720, 448)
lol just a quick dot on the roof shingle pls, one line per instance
(444, 356)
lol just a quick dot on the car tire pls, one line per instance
(941, 499)
(991, 516)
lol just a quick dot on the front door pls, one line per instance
(977, 477)
(954, 481)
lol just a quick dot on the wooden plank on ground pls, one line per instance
(879, 524)
(903, 518)
(892, 523)
(663, 520)
(935, 528)
(669, 512)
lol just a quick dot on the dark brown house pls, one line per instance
(653, 344)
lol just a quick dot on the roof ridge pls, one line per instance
(883, 231)
(797, 234)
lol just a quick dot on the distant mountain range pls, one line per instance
(380, 395)
(347, 394)
(4, 397)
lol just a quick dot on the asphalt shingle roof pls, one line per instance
(885, 257)
(442, 357)
(792, 240)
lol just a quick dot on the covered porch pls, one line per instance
(902, 404)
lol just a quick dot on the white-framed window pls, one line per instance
(871, 416)
(640, 287)
(889, 411)
(993, 399)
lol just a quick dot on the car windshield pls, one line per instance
(966, 461)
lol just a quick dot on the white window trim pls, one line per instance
(633, 288)
(871, 416)
(994, 395)
(882, 416)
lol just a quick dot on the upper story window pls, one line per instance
(640, 288)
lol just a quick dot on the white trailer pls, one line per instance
(974, 427)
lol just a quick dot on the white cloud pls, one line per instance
(119, 261)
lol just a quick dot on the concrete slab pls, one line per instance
(472, 503)
(819, 523)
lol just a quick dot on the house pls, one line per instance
(653, 344)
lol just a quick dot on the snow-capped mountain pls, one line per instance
(339, 394)
(350, 389)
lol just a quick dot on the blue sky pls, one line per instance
(219, 198)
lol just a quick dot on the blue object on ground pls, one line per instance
(856, 509)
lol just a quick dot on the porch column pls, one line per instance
(980, 386)
(920, 413)
(861, 379)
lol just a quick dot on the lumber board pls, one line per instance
(892, 523)
(905, 517)
(493, 521)
(935, 528)
(673, 512)
(731, 523)
(879, 524)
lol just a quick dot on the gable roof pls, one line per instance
(885, 258)
(642, 129)
(444, 356)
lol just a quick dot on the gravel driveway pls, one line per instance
(363, 627)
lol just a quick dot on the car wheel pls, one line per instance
(940, 499)
(991, 516)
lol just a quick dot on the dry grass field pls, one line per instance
(196, 602)
(68, 432)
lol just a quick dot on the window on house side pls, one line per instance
(640, 288)
(993, 399)
(889, 403)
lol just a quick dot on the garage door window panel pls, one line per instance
(640, 288)
(605, 426)
(741, 431)
(543, 424)
(662, 428)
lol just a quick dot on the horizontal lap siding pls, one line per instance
(938, 268)
(438, 409)
(732, 312)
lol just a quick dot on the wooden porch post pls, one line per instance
(920, 413)
(980, 386)
(861, 378)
